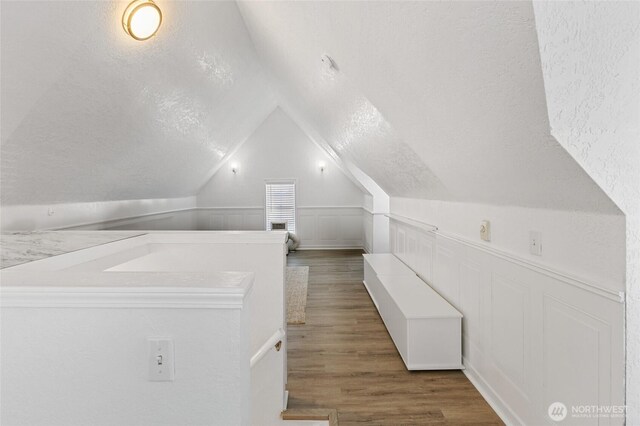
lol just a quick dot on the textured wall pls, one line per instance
(591, 63)
(279, 149)
(597, 255)
(89, 114)
(433, 100)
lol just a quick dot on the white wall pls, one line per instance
(587, 245)
(95, 215)
(84, 366)
(590, 55)
(376, 222)
(279, 149)
(531, 335)
(329, 204)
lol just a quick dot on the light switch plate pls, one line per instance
(485, 230)
(535, 243)
(161, 360)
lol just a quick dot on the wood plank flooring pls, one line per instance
(343, 357)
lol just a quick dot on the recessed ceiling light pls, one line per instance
(141, 19)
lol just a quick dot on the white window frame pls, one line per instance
(290, 181)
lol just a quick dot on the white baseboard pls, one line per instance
(330, 248)
(487, 392)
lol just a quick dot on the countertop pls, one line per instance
(24, 247)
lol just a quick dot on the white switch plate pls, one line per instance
(161, 360)
(535, 243)
(485, 230)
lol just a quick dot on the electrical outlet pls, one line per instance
(535, 243)
(485, 230)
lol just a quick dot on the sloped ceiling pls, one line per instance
(437, 100)
(89, 114)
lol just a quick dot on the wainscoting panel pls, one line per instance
(333, 227)
(471, 297)
(216, 221)
(531, 336)
(317, 227)
(424, 262)
(230, 219)
(307, 226)
(367, 221)
(328, 227)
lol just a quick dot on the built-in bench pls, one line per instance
(426, 329)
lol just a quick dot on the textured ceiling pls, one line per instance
(89, 114)
(437, 100)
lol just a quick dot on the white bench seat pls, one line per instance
(425, 328)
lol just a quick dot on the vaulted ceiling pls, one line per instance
(436, 100)
(89, 114)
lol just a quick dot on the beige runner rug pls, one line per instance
(297, 280)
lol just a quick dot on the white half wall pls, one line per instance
(65, 366)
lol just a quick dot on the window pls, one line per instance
(280, 203)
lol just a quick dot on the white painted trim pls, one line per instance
(192, 209)
(73, 215)
(39, 297)
(262, 207)
(435, 367)
(330, 207)
(119, 219)
(501, 409)
(565, 277)
(230, 208)
(372, 213)
(330, 248)
(412, 222)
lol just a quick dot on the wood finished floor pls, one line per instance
(343, 357)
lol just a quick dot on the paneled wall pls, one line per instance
(317, 227)
(531, 335)
(367, 230)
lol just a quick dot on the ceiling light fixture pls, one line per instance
(141, 19)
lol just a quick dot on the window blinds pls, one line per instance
(281, 204)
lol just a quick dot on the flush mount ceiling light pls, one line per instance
(141, 19)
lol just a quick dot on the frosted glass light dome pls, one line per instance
(141, 19)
